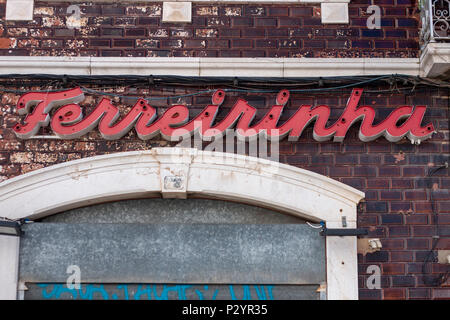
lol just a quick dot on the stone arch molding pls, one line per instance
(178, 173)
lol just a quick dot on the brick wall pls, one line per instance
(397, 208)
(223, 30)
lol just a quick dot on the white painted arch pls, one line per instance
(181, 172)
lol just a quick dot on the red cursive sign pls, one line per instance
(68, 121)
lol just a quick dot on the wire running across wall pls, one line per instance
(9, 83)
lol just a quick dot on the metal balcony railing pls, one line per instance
(435, 16)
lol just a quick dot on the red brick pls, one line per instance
(402, 256)
(222, 44)
(422, 207)
(253, 53)
(369, 159)
(402, 183)
(393, 244)
(369, 294)
(340, 171)
(398, 231)
(418, 244)
(265, 22)
(242, 22)
(394, 294)
(403, 281)
(424, 231)
(419, 293)
(378, 183)
(416, 219)
(389, 171)
(123, 43)
(393, 268)
(253, 33)
(444, 218)
(413, 172)
(278, 11)
(300, 11)
(441, 293)
(259, 43)
(289, 22)
(401, 207)
(415, 195)
(390, 195)
(242, 43)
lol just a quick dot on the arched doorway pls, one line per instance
(188, 173)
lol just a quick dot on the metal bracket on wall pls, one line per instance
(343, 232)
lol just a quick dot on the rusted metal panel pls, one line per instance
(173, 211)
(173, 253)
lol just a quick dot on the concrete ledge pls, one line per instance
(217, 1)
(435, 60)
(238, 67)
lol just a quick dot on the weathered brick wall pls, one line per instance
(222, 30)
(397, 208)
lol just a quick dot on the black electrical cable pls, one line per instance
(231, 84)
(12, 79)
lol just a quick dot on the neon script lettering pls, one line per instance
(68, 121)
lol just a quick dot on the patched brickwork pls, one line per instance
(397, 208)
(222, 30)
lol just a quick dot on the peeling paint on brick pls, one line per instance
(88, 31)
(256, 11)
(46, 157)
(39, 33)
(9, 99)
(289, 43)
(44, 11)
(405, 212)
(150, 11)
(28, 43)
(51, 43)
(21, 157)
(124, 21)
(399, 157)
(208, 33)
(147, 43)
(316, 12)
(52, 22)
(76, 44)
(74, 22)
(53, 52)
(16, 32)
(219, 21)
(158, 33)
(233, 11)
(207, 11)
(299, 22)
(181, 33)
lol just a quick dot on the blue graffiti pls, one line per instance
(150, 292)
(88, 294)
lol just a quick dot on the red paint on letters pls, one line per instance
(68, 121)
